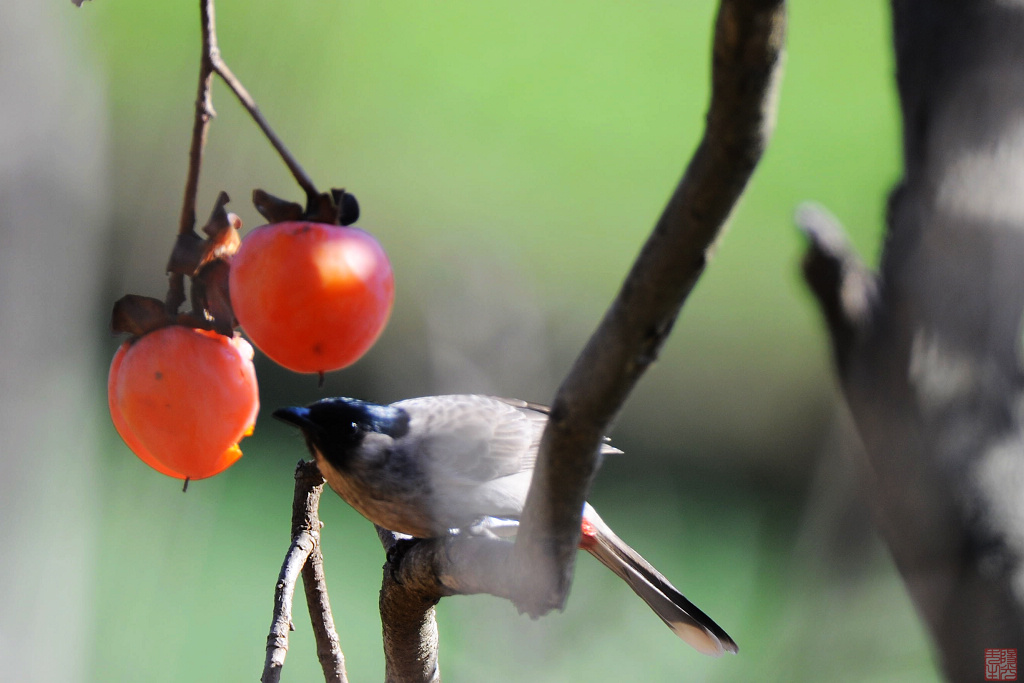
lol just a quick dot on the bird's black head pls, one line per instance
(336, 426)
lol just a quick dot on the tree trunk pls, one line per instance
(929, 351)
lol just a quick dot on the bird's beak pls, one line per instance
(295, 415)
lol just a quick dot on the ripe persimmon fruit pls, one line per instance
(123, 430)
(182, 399)
(313, 297)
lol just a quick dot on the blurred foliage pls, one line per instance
(512, 158)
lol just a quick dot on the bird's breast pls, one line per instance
(384, 497)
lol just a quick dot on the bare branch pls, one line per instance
(300, 175)
(204, 113)
(211, 62)
(417, 575)
(410, 634)
(277, 642)
(305, 544)
(747, 61)
(328, 649)
(453, 565)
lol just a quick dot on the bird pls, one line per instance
(435, 465)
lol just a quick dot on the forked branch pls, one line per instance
(211, 62)
(304, 556)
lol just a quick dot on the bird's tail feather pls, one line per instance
(681, 615)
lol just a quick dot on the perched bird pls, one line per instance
(425, 466)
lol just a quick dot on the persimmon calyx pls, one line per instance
(336, 207)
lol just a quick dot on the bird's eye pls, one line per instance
(351, 429)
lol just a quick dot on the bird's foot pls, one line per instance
(396, 551)
(490, 527)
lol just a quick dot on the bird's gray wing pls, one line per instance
(539, 411)
(468, 439)
(478, 454)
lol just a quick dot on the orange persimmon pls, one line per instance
(313, 297)
(182, 399)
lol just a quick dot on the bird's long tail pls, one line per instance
(681, 615)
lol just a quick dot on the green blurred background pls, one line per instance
(511, 158)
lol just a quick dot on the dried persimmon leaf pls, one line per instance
(219, 217)
(275, 209)
(222, 243)
(138, 315)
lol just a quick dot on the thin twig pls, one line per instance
(746, 68)
(211, 62)
(305, 542)
(300, 175)
(328, 649)
(204, 113)
(277, 642)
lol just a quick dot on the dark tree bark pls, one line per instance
(928, 351)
